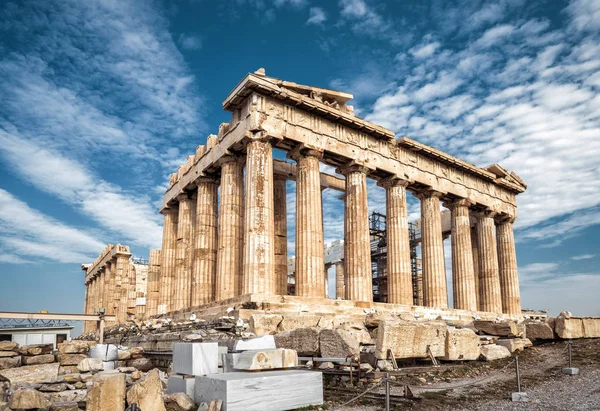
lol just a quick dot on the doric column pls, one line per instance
(463, 276)
(205, 243)
(184, 252)
(131, 293)
(86, 307)
(357, 249)
(110, 288)
(399, 275)
(339, 280)
(152, 292)
(167, 255)
(122, 278)
(101, 289)
(475, 251)
(259, 230)
(280, 200)
(507, 262)
(310, 276)
(228, 282)
(489, 279)
(435, 293)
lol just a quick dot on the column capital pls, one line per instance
(457, 202)
(428, 193)
(230, 157)
(352, 167)
(393, 181)
(302, 150)
(503, 218)
(206, 179)
(485, 212)
(169, 210)
(181, 197)
(258, 135)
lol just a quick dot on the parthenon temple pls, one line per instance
(225, 226)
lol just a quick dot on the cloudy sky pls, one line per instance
(101, 100)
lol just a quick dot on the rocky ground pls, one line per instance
(490, 384)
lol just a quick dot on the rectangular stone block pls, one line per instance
(38, 359)
(71, 359)
(266, 342)
(461, 344)
(195, 358)
(269, 390)
(278, 358)
(181, 383)
(569, 328)
(410, 339)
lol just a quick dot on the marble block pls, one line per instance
(267, 390)
(181, 383)
(266, 342)
(265, 359)
(195, 358)
(222, 350)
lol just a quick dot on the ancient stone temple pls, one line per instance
(116, 284)
(224, 233)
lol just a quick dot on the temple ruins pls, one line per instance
(225, 230)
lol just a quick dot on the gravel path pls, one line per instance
(542, 379)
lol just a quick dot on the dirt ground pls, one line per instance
(487, 386)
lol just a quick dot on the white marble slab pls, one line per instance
(253, 360)
(222, 350)
(266, 342)
(260, 391)
(195, 358)
(181, 383)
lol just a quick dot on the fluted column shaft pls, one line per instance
(228, 282)
(280, 201)
(435, 293)
(167, 255)
(399, 275)
(259, 230)
(339, 280)
(489, 279)
(184, 252)
(101, 289)
(122, 276)
(131, 293)
(463, 276)
(152, 292)
(507, 262)
(110, 288)
(475, 252)
(86, 308)
(205, 255)
(357, 249)
(310, 259)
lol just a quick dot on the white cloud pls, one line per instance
(293, 3)
(444, 85)
(585, 14)
(353, 8)
(424, 51)
(495, 35)
(190, 41)
(317, 16)
(583, 257)
(28, 232)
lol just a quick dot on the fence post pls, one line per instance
(519, 396)
(387, 391)
(570, 370)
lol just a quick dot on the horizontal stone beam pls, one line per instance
(95, 268)
(288, 170)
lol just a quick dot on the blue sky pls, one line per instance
(102, 100)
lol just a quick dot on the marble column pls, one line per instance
(463, 276)
(110, 296)
(507, 263)
(259, 226)
(184, 252)
(153, 283)
(280, 200)
(101, 289)
(228, 282)
(86, 307)
(205, 243)
(339, 280)
(122, 277)
(310, 258)
(399, 275)
(435, 293)
(357, 249)
(131, 293)
(475, 252)
(489, 277)
(167, 255)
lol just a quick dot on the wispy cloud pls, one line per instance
(28, 234)
(583, 257)
(317, 16)
(190, 41)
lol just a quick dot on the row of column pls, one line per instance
(113, 289)
(248, 254)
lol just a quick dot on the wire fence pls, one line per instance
(568, 345)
